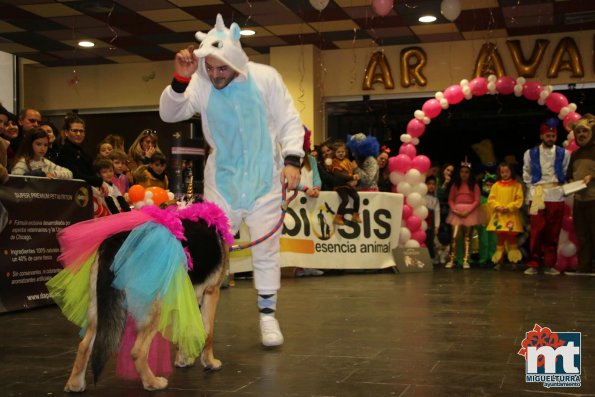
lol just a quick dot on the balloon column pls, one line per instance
(153, 195)
(407, 168)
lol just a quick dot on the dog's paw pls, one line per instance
(75, 387)
(182, 361)
(157, 383)
(211, 365)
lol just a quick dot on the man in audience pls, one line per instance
(544, 172)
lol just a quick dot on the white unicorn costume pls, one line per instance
(253, 127)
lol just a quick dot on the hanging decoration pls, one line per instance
(378, 60)
(411, 71)
(74, 79)
(382, 7)
(574, 64)
(148, 77)
(451, 9)
(319, 5)
(407, 169)
(489, 61)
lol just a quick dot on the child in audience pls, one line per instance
(506, 200)
(487, 240)
(433, 219)
(121, 179)
(30, 158)
(153, 174)
(464, 214)
(114, 200)
(344, 169)
(104, 149)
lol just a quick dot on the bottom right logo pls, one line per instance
(552, 358)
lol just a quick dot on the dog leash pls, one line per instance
(284, 205)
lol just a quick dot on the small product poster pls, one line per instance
(413, 260)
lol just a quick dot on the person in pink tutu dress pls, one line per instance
(464, 214)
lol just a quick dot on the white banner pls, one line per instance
(310, 239)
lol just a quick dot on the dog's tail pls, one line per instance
(111, 312)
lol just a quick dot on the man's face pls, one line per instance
(549, 139)
(583, 135)
(219, 72)
(31, 120)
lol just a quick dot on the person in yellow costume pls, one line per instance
(505, 201)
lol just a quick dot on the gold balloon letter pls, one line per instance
(411, 72)
(489, 62)
(575, 65)
(527, 68)
(385, 77)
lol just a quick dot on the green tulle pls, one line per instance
(180, 320)
(70, 290)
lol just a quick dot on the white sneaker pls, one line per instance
(449, 265)
(270, 332)
(531, 271)
(308, 272)
(550, 271)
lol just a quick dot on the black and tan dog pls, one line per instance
(106, 316)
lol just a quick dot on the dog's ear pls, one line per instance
(168, 203)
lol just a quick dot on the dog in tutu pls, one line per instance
(128, 283)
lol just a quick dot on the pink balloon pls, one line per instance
(400, 163)
(421, 163)
(419, 236)
(505, 85)
(432, 108)
(479, 86)
(413, 223)
(408, 149)
(454, 94)
(572, 146)
(416, 128)
(571, 117)
(531, 90)
(382, 7)
(407, 211)
(556, 101)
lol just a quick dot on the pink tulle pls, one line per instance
(159, 354)
(212, 215)
(80, 240)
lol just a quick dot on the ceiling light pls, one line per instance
(86, 43)
(247, 32)
(427, 18)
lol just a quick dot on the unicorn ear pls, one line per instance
(219, 25)
(200, 36)
(235, 31)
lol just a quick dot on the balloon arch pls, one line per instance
(407, 169)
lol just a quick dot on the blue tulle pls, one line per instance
(159, 253)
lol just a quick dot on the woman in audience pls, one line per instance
(141, 150)
(384, 183)
(54, 146)
(8, 135)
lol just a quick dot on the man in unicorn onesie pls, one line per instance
(256, 137)
(544, 172)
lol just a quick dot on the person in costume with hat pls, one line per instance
(582, 167)
(256, 136)
(544, 172)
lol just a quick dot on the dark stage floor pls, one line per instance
(447, 333)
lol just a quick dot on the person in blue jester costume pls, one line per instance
(255, 133)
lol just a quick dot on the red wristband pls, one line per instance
(182, 79)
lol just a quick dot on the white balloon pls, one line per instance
(396, 177)
(571, 135)
(568, 249)
(572, 107)
(424, 225)
(468, 95)
(464, 83)
(412, 244)
(404, 188)
(492, 87)
(521, 80)
(421, 211)
(319, 4)
(541, 102)
(404, 235)
(148, 194)
(138, 205)
(444, 103)
(451, 9)
(414, 177)
(415, 141)
(466, 90)
(405, 138)
(439, 95)
(563, 112)
(543, 94)
(426, 120)
(420, 188)
(414, 200)
(170, 195)
(419, 114)
(492, 78)
(149, 202)
(518, 90)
